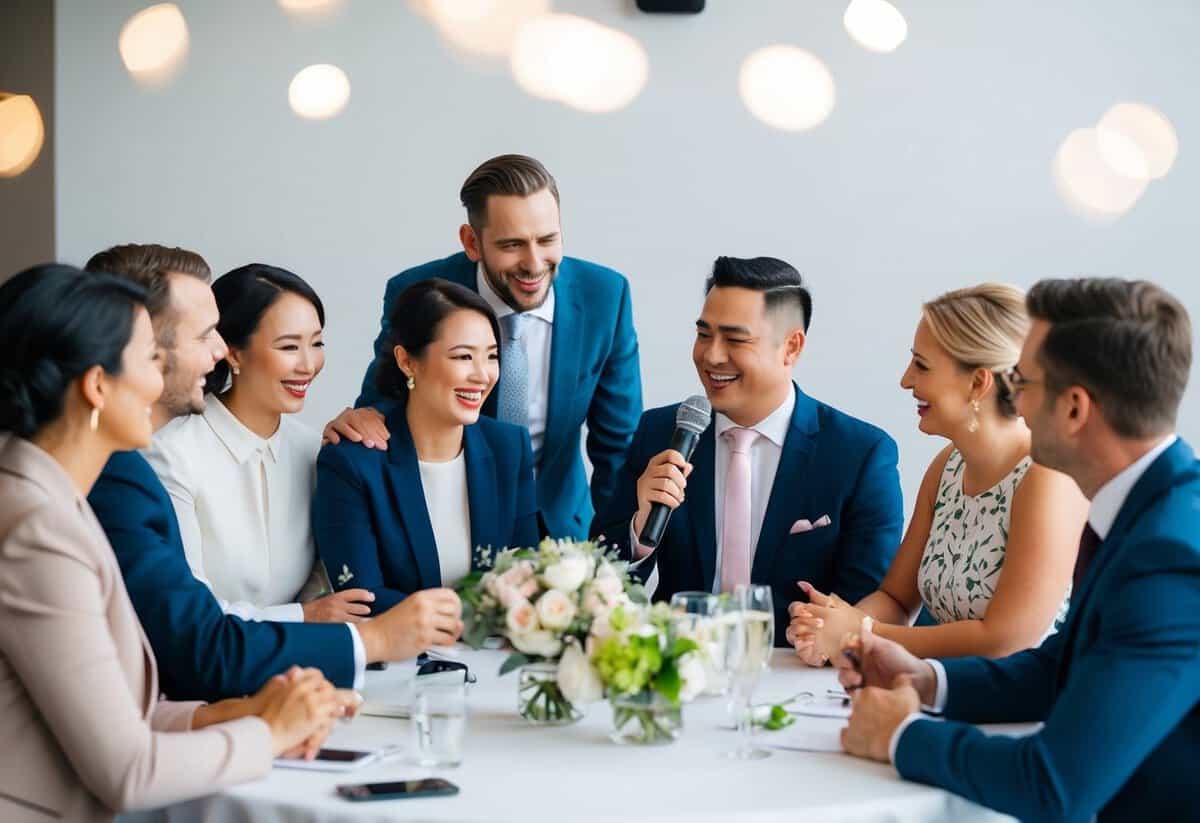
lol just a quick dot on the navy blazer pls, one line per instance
(832, 464)
(369, 513)
(202, 653)
(594, 378)
(1118, 688)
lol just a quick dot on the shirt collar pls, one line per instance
(233, 434)
(1107, 503)
(544, 312)
(774, 426)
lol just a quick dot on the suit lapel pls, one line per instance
(701, 505)
(789, 478)
(483, 487)
(565, 350)
(409, 497)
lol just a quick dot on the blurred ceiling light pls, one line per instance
(787, 87)
(153, 43)
(876, 25)
(480, 27)
(579, 62)
(1137, 140)
(1088, 183)
(21, 133)
(309, 8)
(319, 92)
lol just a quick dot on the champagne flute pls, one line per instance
(748, 653)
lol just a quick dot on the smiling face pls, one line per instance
(939, 384)
(456, 372)
(285, 354)
(744, 354)
(195, 346)
(520, 246)
(129, 396)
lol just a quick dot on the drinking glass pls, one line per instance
(751, 617)
(697, 615)
(439, 719)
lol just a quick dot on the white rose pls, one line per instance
(567, 574)
(555, 610)
(539, 642)
(692, 672)
(610, 587)
(576, 678)
(521, 618)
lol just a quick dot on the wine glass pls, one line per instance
(747, 655)
(697, 615)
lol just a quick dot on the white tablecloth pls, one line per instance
(513, 771)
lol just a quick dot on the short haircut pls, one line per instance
(243, 297)
(414, 323)
(1128, 343)
(150, 265)
(509, 175)
(56, 322)
(982, 327)
(782, 286)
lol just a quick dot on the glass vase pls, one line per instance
(539, 699)
(645, 719)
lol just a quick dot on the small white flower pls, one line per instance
(576, 678)
(692, 671)
(538, 642)
(555, 610)
(567, 574)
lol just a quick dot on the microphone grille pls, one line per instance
(694, 414)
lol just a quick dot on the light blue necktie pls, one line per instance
(514, 372)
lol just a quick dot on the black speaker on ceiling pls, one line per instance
(671, 6)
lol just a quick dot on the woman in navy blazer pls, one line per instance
(453, 488)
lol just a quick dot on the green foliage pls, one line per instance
(513, 662)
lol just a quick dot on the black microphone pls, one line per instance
(691, 420)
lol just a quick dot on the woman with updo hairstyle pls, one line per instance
(453, 487)
(85, 734)
(991, 545)
(241, 475)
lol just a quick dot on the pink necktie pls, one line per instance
(735, 531)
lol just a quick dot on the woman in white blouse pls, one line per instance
(241, 475)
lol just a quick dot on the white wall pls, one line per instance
(932, 173)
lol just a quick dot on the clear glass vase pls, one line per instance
(645, 719)
(539, 699)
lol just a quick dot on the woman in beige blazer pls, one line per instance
(82, 732)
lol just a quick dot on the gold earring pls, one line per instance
(412, 382)
(95, 421)
(973, 425)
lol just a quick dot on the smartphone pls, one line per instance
(332, 760)
(429, 787)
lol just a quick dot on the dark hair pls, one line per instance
(508, 174)
(243, 297)
(56, 322)
(781, 285)
(1127, 343)
(413, 324)
(150, 265)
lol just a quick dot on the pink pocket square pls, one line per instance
(803, 525)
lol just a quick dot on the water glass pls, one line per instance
(439, 719)
(747, 654)
(697, 615)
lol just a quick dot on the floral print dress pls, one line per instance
(965, 550)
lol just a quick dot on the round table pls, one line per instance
(514, 771)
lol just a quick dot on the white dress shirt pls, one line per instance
(537, 336)
(445, 487)
(765, 453)
(243, 507)
(1106, 505)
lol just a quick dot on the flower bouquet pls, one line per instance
(636, 656)
(544, 600)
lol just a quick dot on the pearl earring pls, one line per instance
(94, 423)
(236, 370)
(973, 425)
(412, 382)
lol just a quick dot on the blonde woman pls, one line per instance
(991, 546)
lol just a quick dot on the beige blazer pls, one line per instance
(83, 734)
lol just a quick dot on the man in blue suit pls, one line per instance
(781, 487)
(203, 653)
(570, 349)
(1100, 380)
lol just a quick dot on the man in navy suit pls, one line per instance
(570, 352)
(1100, 380)
(781, 487)
(203, 653)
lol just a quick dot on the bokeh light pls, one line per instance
(787, 87)
(22, 133)
(876, 25)
(319, 92)
(154, 43)
(1087, 182)
(1137, 140)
